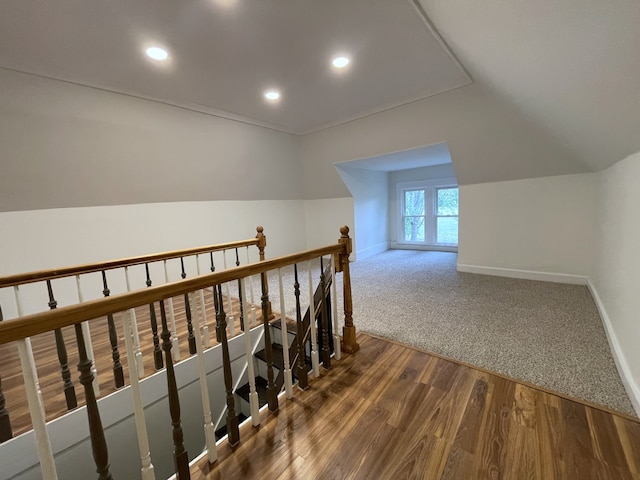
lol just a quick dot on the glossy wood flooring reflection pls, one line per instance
(391, 412)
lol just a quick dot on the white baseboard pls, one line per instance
(524, 274)
(632, 388)
(371, 251)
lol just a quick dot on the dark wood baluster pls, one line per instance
(118, 374)
(327, 300)
(240, 294)
(157, 351)
(96, 432)
(69, 391)
(5, 424)
(215, 298)
(324, 320)
(221, 332)
(180, 456)
(272, 394)
(301, 365)
(192, 338)
(187, 306)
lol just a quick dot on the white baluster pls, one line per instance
(147, 470)
(86, 333)
(253, 302)
(337, 351)
(175, 346)
(315, 364)
(36, 409)
(288, 379)
(29, 356)
(136, 336)
(209, 429)
(230, 318)
(205, 326)
(254, 401)
(34, 399)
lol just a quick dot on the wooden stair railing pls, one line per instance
(299, 362)
(319, 297)
(80, 272)
(20, 330)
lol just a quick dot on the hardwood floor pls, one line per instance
(51, 385)
(387, 412)
(392, 412)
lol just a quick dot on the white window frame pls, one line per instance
(430, 187)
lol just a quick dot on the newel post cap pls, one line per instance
(345, 240)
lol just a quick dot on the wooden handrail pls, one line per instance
(30, 325)
(41, 275)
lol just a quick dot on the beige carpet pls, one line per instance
(545, 333)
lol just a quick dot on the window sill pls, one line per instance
(424, 246)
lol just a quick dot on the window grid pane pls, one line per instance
(447, 230)
(413, 202)
(447, 201)
(414, 229)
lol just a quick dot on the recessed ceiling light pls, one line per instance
(340, 62)
(272, 95)
(157, 53)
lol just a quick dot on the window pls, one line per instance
(414, 215)
(447, 215)
(428, 213)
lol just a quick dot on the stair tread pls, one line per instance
(291, 325)
(278, 355)
(261, 387)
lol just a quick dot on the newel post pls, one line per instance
(262, 242)
(349, 343)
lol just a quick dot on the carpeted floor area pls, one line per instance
(545, 333)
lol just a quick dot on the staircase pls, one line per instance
(260, 357)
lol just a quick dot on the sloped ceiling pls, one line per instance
(570, 66)
(223, 54)
(556, 84)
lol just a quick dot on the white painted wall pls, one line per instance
(89, 175)
(369, 189)
(489, 141)
(66, 145)
(324, 217)
(39, 239)
(410, 175)
(543, 225)
(615, 281)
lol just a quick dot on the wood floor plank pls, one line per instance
(493, 455)
(580, 461)
(629, 435)
(352, 460)
(550, 442)
(424, 459)
(605, 442)
(461, 459)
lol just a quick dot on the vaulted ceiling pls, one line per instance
(570, 68)
(223, 54)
